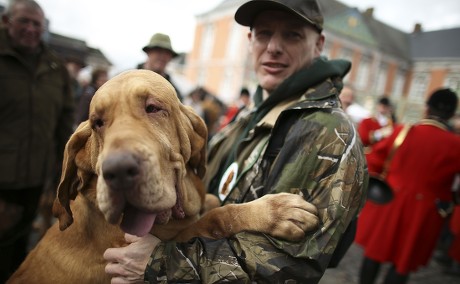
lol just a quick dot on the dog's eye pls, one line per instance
(151, 108)
(98, 123)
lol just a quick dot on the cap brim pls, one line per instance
(146, 48)
(247, 12)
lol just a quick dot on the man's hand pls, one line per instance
(383, 132)
(127, 264)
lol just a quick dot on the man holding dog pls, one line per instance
(297, 140)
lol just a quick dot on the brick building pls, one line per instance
(385, 61)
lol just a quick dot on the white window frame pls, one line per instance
(418, 87)
(362, 76)
(207, 42)
(452, 81)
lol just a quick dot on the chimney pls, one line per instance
(369, 12)
(417, 28)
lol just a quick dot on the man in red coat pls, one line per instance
(379, 126)
(404, 232)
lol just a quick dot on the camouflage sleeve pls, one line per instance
(322, 160)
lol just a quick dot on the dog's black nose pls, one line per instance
(121, 171)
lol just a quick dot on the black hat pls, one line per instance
(385, 101)
(307, 10)
(444, 102)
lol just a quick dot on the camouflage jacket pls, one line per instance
(321, 159)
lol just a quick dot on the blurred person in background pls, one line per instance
(356, 112)
(74, 65)
(36, 119)
(448, 252)
(380, 125)
(405, 231)
(98, 77)
(213, 109)
(195, 100)
(243, 103)
(453, 251)
(159, 53)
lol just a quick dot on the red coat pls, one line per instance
(365, 129)
(405, 231)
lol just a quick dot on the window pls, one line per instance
(418, 87)
(234, 43)
(453, 82)
(381, 79)
(202, 75)
(347, 54)
(207, 42)
(362, 77)
(225, 89)
(398, 85)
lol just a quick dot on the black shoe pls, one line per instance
(453, 269)
(442, 258)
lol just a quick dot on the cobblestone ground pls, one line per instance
(348, 272)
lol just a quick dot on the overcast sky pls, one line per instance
(121, 28)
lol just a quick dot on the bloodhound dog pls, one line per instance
(136, 166)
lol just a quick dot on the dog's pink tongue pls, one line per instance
(136, 222)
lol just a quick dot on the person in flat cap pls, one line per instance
(422, 171)
(37, 116)
(159, 53)
(297, 140)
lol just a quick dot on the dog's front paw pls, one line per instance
(287, 216)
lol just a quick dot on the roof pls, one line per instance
(436, 44)
(363, 27)
(96, 54)
(350, 23)
(389, 39)
(68, 48)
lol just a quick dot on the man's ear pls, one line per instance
(319, 45)
(250, 41)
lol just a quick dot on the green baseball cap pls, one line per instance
(306, 10)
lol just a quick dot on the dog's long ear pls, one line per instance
(70, 181)
(196, 133)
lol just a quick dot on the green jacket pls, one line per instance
(322, 159)
(36, 115)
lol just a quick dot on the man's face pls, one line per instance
(101, 79)
(346, 97)
(281, 45)
(25, 27)
(384, 109)
(158, 58)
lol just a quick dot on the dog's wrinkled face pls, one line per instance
(145, 139)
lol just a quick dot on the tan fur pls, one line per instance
(170, 145)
